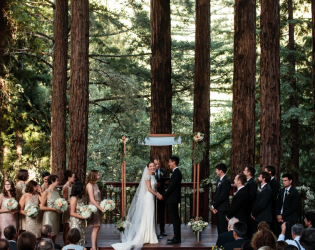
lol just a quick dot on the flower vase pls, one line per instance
(121, 236)
(198, 236)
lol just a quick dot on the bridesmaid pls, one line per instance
(7, 217)
(94, 197)
(31, 196)
(45, 176)
(51, 215)
(66, 192)
(20, 190)
(77, 201)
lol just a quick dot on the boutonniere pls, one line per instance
(161, 174)
(219, 183)
(171, 174)
(288, 193)
(246, 183)
(258, 190)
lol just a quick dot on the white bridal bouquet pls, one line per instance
(108, 205)
(10, 204)
(197, 226)
(87, 210)
(31, 210)
(61, 204)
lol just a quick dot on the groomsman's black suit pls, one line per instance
(290, 205)
(262, 207)
(252, 187)
(161, 203)
(221, 203)
(173, 197)
(239, 207)
(236, 244)
(275, 187)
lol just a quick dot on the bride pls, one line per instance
(140, 222)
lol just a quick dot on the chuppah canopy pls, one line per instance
(161, 140)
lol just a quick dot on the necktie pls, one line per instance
(285, 196)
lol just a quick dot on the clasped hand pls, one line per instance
(159, 196)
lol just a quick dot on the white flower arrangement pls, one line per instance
(198, 137)
(11, 204)
(87, 210)
(309, 202)
(61, 204)
(197, 226)
(124, 140)
(108, 205)
(31, 210)
(121, 225)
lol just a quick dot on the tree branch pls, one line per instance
(33, 55)
(47, 4)
(41, 35)
(94, 55)
(111, 34)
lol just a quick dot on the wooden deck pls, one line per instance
(108, 237)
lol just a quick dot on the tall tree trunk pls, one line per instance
(313, 64)
(243, 118)
(161, 87)
(59, 96)
(18, 144)
(201, 122)
(270, 116)
(79, 87)
(294, 122)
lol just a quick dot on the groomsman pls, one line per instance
(262, 207)
(220, 206)
(240, 201)
(287, 204)
(275, 187)
(252, 187)
(159, 174)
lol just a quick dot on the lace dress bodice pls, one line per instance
(153, 181)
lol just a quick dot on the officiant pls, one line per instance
(160, 176)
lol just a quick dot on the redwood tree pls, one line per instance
(59, 97)
(79, 87)
(243, 118)
(270, 116)
(161, 88)
(313, 63)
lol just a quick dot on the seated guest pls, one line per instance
(281, 245)
(10, 234)
(265, 248)
(46, 233)
(4, 244)
(307, 239)
(290, 247)
(74, 237)
(227, 237)
(296, 231)
(264, 238)
(26, 241)
(239, 233)
(247, 245)
(46, 244)
(309, 219)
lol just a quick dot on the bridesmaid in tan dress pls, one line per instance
(45, 176)
(51, 215)
(20, 190)
(7, 217)
(77, 201)
(66, 192)
(94, 197)
(32, 224)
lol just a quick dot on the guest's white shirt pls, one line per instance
(291, 242)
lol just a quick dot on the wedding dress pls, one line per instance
(140, 221)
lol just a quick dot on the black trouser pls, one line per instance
(222, 224)
(251, 228)
(173, 207)
(161, 214)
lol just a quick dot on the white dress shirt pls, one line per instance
(291, 242)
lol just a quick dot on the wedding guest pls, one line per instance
(26, 241)
(263, 226)
(247, 245)
(287, 204)
(221, 206)
(290, 247)
(262, 207)
(7, 217)
(4, 244)
(11, 235)
(281, 245)
(239, 234)
(94, 197)
(227, 237)
(22, 176)
(275, 187)
(45, 244)
(252, 187)
(74, 237)
(264, 238)
(159, 174)
(32, 224)
(307, 239)
(296, 231)
(76, 220)
(309, 219)
(45, 176)
(66, 192)
(46, 234)
(51, 214)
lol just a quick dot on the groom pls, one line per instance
(172, 197)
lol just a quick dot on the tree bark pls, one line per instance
(270, 116)
(59, 96)
(201, 121)
(243, 117)
(294, 122)
(161, 87)
(313, 63)
(79, 87)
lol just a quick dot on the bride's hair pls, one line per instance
(149, 163)
(92, 177)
